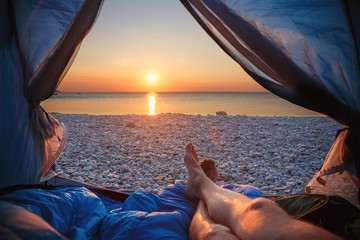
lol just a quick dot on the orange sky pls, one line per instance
(133, 38)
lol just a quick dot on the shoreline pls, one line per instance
(190, 114)
(250, 104)
(277, 154)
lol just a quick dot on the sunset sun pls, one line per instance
(151, 78)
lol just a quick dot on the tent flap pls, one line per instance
(311, 61)
(306, 52)
(39, 41)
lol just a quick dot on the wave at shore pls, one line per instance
(277, 154)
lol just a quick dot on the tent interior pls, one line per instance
(312, 61)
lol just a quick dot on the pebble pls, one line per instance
(88, 168)
(280, 155)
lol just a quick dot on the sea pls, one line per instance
(203, 103)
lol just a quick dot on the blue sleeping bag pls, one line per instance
(78, 213)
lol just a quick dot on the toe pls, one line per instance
(189, 147)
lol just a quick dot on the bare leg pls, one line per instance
(202, 225)
(246, 218)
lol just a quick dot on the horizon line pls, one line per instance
(57, 91)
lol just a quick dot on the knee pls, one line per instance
(264, 205)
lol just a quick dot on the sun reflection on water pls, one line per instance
(152, 102)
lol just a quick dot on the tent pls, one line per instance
(312, 61)
(306, 52)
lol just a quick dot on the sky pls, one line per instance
(152, 46)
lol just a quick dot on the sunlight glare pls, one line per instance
(151, 77)
(152, 101)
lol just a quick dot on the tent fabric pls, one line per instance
(39, 39)
(312, 61)
(77, 213)
(307, 52)
(344, 183)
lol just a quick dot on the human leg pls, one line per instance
(202, 225)
(246, 218)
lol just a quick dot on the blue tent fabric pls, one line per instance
(18, 162)
(78, 213)
(312, 61)
(39, 39)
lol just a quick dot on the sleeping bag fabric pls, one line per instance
(78, 213)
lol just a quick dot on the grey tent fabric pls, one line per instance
(306, 52)
(39, 39)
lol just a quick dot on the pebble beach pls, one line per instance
(279, 155)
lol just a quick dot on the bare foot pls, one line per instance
(191, 157)
(196, 174)
(209, 167)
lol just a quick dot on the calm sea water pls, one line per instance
(251, 104)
